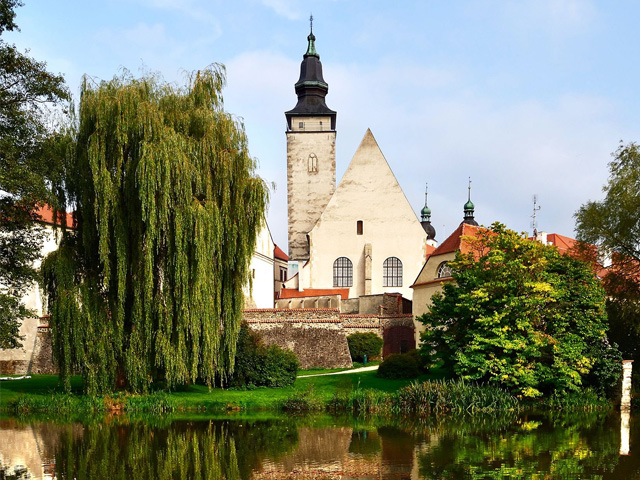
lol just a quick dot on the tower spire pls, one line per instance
(469, 208)
(311, 87)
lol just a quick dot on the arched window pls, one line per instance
(313, 163)
(444, 270)
(392, 272)
(342, 272)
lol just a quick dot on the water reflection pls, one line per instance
(588, 445)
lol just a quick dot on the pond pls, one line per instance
(586, 445)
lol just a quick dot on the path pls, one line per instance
(354, 370)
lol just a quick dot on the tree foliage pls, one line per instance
(361, 344)
(167, 206)
(27, 93)
(613, 226)
(259, 365)
(522, 315)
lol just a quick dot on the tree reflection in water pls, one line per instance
(187, 450)
(583, 445)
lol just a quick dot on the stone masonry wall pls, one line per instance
(31, 359)
(316, 336)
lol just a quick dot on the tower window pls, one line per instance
(444, 270)
(301, 125)
(392, 272)
(313, 163)
(342, 272)
(320, 125)
(359, 227)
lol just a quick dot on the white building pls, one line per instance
(364, 235)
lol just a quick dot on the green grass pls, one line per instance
(42, 393)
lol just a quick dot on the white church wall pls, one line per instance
(370, 193)
(261, 292)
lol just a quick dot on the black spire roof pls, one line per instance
(311, 87)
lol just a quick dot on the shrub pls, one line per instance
(258, 365)
(361, 344)
(399, 365)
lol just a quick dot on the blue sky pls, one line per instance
(525, 97)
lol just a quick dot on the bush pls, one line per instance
(258, 365)
(399, 365)
(361, 344)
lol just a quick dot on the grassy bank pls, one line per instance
(41, 393)
(361, 392)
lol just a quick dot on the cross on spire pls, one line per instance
(469, 197)
(311, 22)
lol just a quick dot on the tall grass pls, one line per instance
(434, 397)
(62, 403)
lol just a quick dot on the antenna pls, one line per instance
(534, 222)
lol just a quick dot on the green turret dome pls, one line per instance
(426, 211)
(469, 205)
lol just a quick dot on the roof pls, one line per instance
(453, 243)
(45, 213)
(278, 253)
(314, 292)
(562, 243)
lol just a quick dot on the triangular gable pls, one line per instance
(371, 177)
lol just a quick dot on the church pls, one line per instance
(362, 235)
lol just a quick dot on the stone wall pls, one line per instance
(319, 336)
(35, 356)
(316, 336)
(321, 301)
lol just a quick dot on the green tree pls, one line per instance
(27, 93)
(149, 288)
(613, 226)
(522, 315)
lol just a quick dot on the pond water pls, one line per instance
(556, 446)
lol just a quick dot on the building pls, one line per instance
(35, 356)
(362, 235)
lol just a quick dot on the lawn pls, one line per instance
(200, 397)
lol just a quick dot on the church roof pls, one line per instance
(370, 183)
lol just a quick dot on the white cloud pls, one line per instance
(285, 8)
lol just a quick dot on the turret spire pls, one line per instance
(311, 48)
(469, 208)
(426, 217)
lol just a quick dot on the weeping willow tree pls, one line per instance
(149, 287)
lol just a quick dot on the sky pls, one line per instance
(525, 97)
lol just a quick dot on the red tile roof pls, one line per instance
(453, 243)
(562, 243)
(278, 253)
(45, 213)
(314, 292)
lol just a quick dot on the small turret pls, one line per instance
(426, 217)
(469, 209)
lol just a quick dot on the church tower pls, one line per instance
(311, 152)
